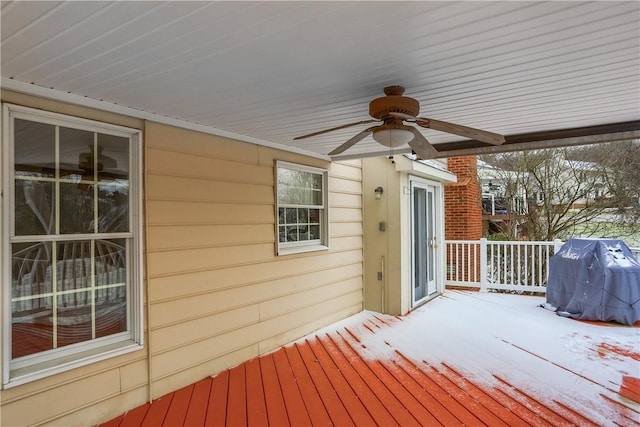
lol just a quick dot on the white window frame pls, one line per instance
(286, 248)
(29, 368)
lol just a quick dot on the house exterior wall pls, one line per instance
(215, 292)
(382, 248)
(389, 252)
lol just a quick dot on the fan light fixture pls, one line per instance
(393, 137)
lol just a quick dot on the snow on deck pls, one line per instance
(464, 358)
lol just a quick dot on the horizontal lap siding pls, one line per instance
(217, 292)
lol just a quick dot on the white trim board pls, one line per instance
(56, 95)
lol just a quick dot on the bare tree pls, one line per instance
(583, 191)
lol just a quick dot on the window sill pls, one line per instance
(56, 366)
(301, 249)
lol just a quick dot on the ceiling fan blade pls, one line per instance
(467, 132)
(421, 146)
(352, 141)
(402, 116)
(335, 128)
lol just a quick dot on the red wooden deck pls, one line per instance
(333, 378)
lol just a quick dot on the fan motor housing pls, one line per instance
(380, 108)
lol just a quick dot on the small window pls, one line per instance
(72, 257)
(301, 208)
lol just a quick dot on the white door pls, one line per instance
(424, 240)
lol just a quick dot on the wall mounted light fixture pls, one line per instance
(378, 191)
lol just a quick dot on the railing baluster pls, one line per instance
(515, 265)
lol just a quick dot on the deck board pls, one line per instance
(135, 417)
(197, 411)
(310, 396)
(217, 410)
(178, 407)
(237, 399)
(362, 373)
(346, 393)
(296, 410)
(328, 394)
(157, 412)
(389, 392)
(276, 409)
(256, 406)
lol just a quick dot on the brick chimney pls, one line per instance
(462, 200)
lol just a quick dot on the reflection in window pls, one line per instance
(301, 206)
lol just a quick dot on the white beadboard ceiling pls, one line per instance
(269, 71)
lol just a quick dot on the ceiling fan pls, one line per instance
(88, 165)
(86, 161)
(392, 111)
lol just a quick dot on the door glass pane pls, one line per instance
(34, 207)
(34, 149)
(430, 235)
(420, 243)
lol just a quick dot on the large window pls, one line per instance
(71, 249)
(301, 208)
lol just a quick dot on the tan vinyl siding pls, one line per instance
(217, 293)
(216, 285)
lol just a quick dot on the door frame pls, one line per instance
(438, 227)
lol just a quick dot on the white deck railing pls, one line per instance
(505, 265)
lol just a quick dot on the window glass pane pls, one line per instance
(297, 187)
(111, 311)
(303, 216)
(281, 215)
(292, 216)
(111, 290)
(282, 234)
(314, 216)
(317, 181)
(316, 198)
(34, 207)
(113, 158)
(303, 232)
(111, 262)
(77, 154)
(113, 206)
(31, 326)
(74, 318)
(292, 234)
(31, 271)
(34, 149)
(314, 232)
(73, 265)
(76, 208)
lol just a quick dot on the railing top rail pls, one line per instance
(505, 242)
(519, 242)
